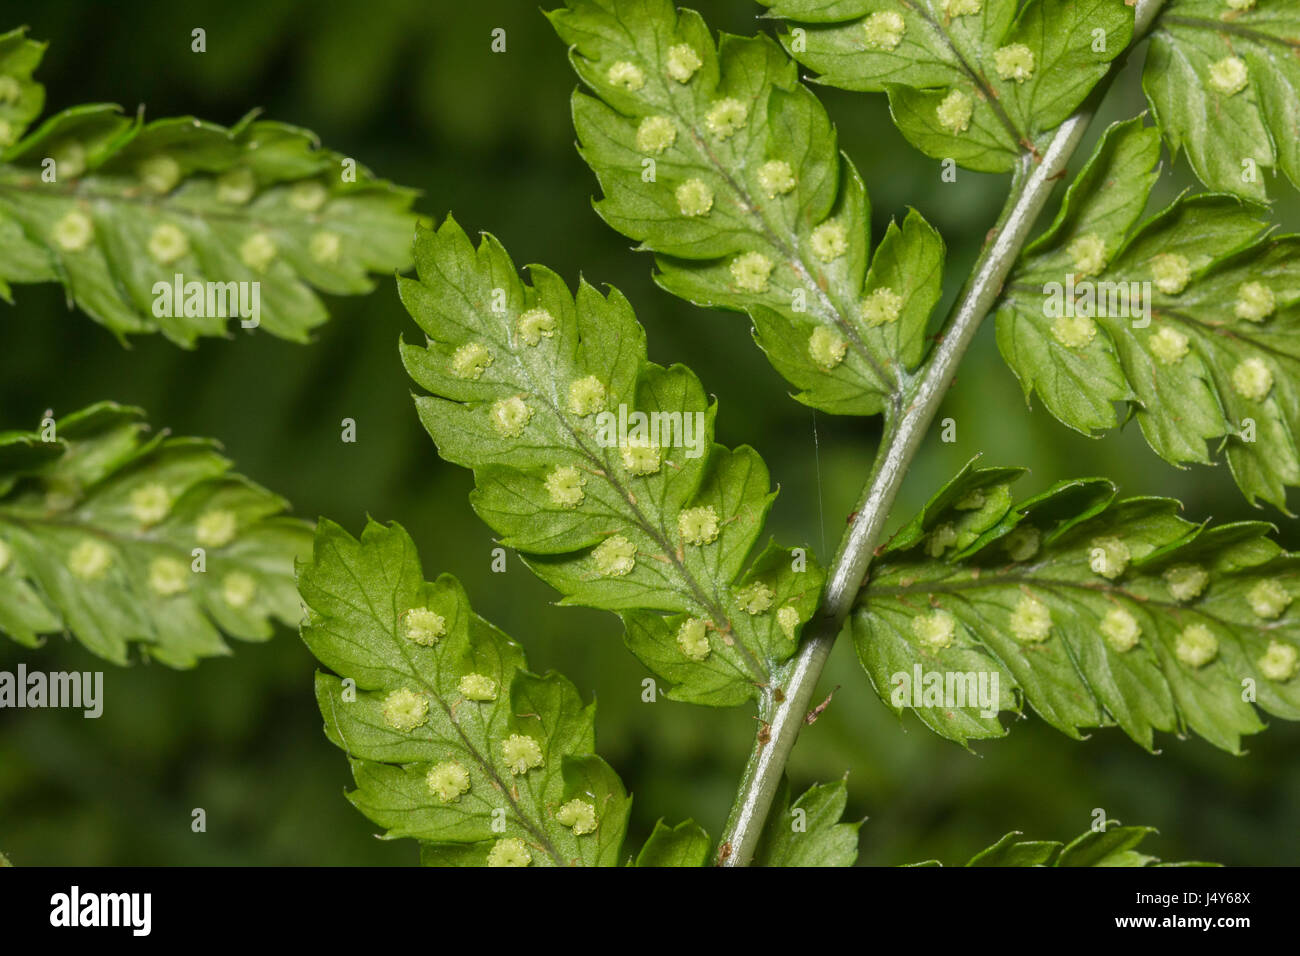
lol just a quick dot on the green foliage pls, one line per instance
(452, 741)
(1219, 359)
(1112, 846)
(810, 832)
(750, 207)
(1224, 82)
(98, 525)
(967, 79)
(133, 204)
(683, 845)
(455, 743)
(1095, 611)
(21, 97)
(528, 387)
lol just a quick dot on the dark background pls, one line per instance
(412, 90)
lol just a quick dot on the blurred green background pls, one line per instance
(411, 89)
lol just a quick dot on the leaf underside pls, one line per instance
(967, 80)
(1199, 336)
(114, 209)
(99, 522)
(452, 741)
(716, 158)
(455, 743)
(529, 386)
(1224, 85)
(1114, 845)
(1095, 611)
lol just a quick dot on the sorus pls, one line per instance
(1168, 345)
(577, 815)
(693, 639)
(1031, 621)
(160, 173)
(1196, 646)
(1186, 581)
(776, 177)
(615, 556)
(954, 112)
(627, 75)
(726, 116)
(521, 753)
(934, 630)
(882, 307)
(1255, 302)
(564, 486)
(535, 325)
(510, 415)
(829, 241)
(751, 271)
(423, 626)
(1268, 599)
(477, 687)
(1108, 557)
(884, 30)
(683, 61)
(1014, 62)
(168, 577)
(655, 134)
(1171, 272)
(510, 851)
(1022, 542)
(90, 559)
(447, 781)
(238, 589)
(698, 525)
(470, 361)
(1229, 76)
(755, 598)
(405, 710)
(694, 198)
(1121, 630)
(150, 503)
(827, 347)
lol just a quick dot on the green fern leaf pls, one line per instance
(21, 97)
(1113, 845)
(1207, 351)
(968, 80)
(1223, 79)
(809, 833)
(451, 740)
(549, 399)
(683, 845)
(116, 209)
(122, 538)
(718, 159)
(1095, 611)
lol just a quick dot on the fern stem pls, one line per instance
(783, 714)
